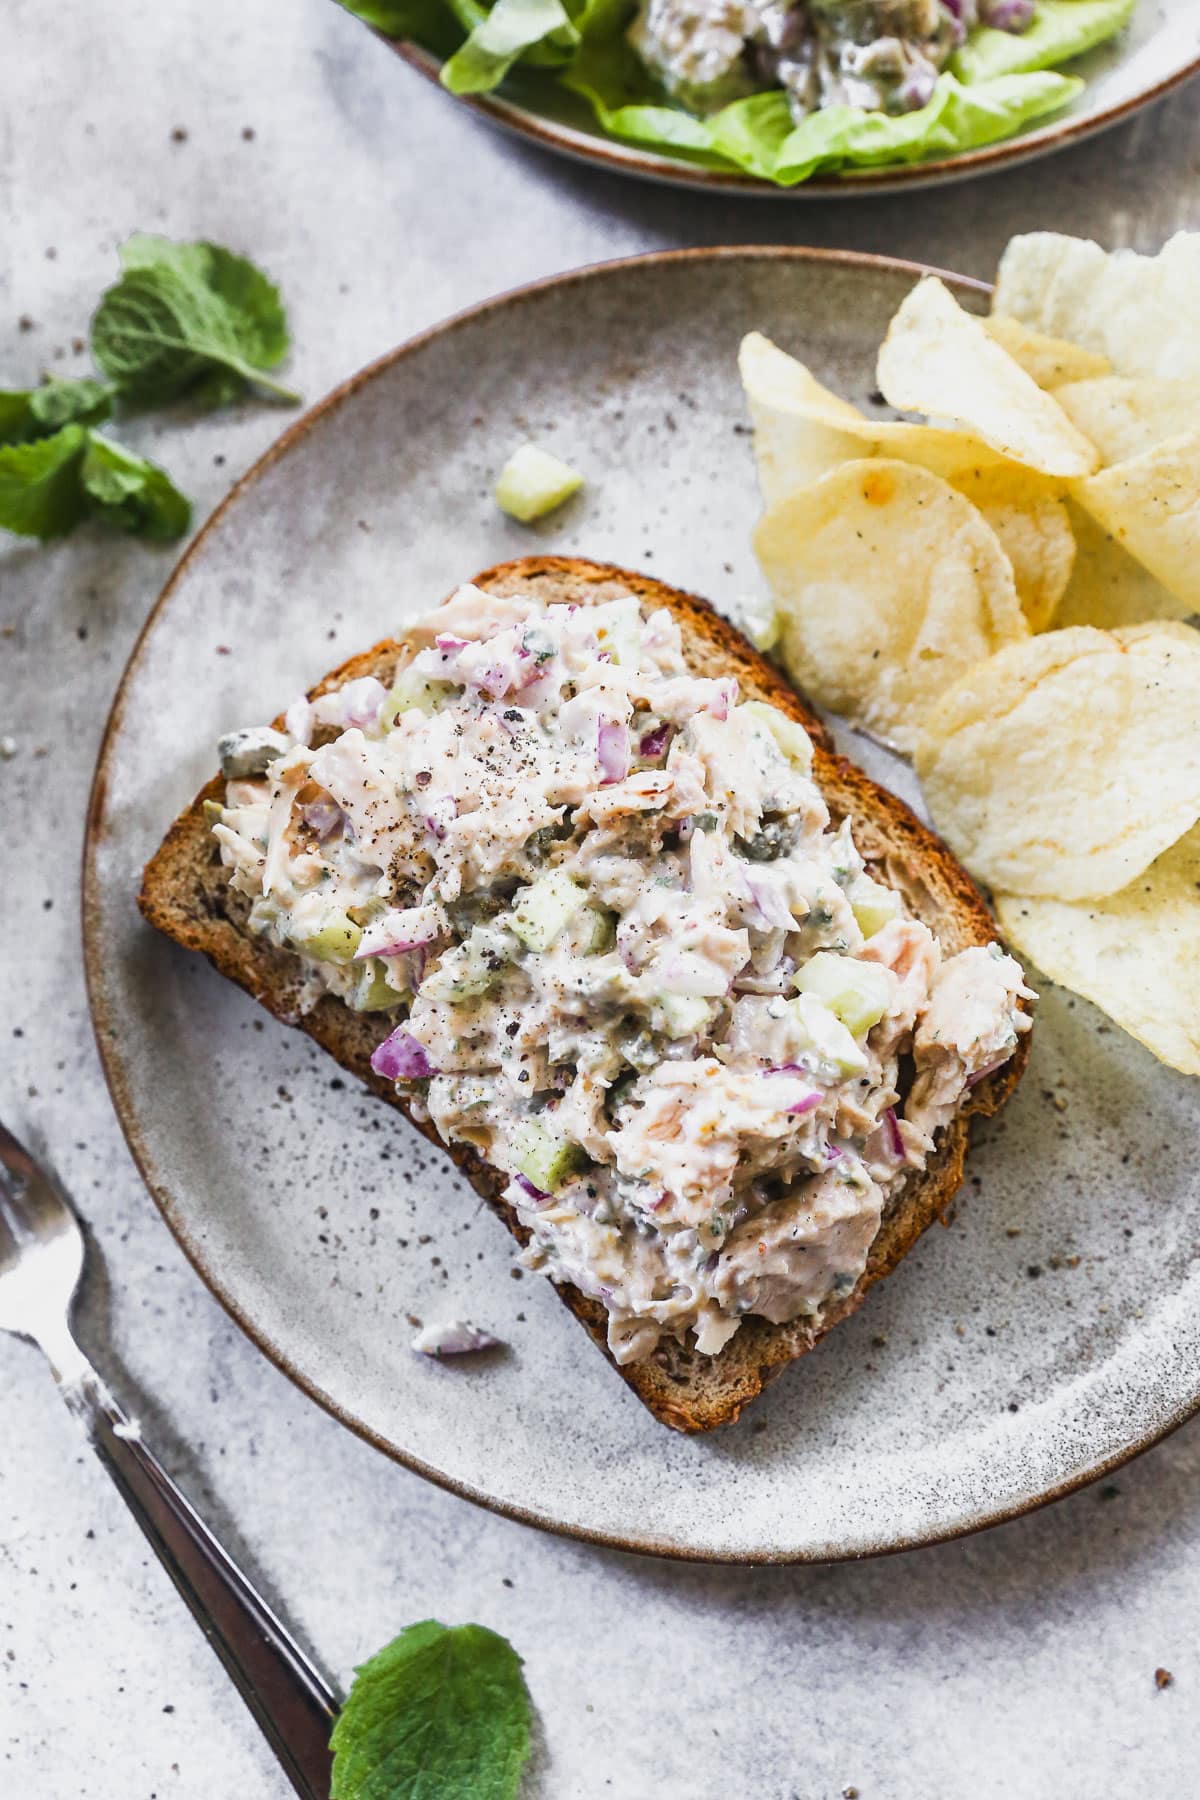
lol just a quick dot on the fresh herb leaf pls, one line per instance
(182, 312)
(60, 402)
(40, 492)
(28, 413)
(440, 1714)
(48, 486)
(132, 493)
(243, 287)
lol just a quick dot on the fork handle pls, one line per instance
(286, 1694)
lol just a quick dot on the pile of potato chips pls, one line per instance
(999, 593)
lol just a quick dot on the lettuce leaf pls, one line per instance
(512, 29)
(758, 135)
(1062, 29)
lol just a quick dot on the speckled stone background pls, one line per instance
(1019, 1663)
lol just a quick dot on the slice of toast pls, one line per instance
(186, 894)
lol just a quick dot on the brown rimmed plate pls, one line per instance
(1158, 51)
(1050, 1332)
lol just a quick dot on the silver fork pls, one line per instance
(41, 1262)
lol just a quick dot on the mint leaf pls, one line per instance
(181, 312)
(40, 491)
(48, 486)
(251, 295)
(27, 413)
(132, 493)
(61, 402)
(440, 1714)
(16, 420)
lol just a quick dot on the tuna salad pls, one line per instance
(879, 55)
(632, 960)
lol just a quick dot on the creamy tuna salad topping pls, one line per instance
(881, 55)
(639, 969)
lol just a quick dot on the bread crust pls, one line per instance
(186, 894)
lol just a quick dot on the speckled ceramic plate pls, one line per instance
(1049, 1332)
(1159, 50)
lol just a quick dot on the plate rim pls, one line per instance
(612, 156)
(104, 1020)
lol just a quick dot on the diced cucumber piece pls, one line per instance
(595, 931)
(758, 617)
(827, 1039)
(619, 631)
(543, 1158)
(214, 812)
(872, 904)
(412, 692)
(682, 1015)
(857, 992)
(792, 739)
(335, 940)
(474, 967)
(375, 992)
(545, 907)
(532, 483)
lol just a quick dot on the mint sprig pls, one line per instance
(182, 318)
(49, 485)
(183, 313)
(441, 1714)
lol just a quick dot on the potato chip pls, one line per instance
(1124, 417)
(1139, 311)
(1065, 765)
(1151, 505)
(1107, 586)
(1051, 361)
(889, 586)
(1133, 955)
(802, 429)
(938, 359)
(1030, 519)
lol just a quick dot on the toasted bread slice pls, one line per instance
(186, 894)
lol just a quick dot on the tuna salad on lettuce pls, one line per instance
(778, 90)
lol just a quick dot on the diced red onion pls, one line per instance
(322, 816)
(807, 1104)
(988, 1069)
(1007, 15)
(916, 90)
(724, 696)
(832, 1153)
(612, 747)
(402, 1057)
(768, 902)
(535, 1193)
(895, 1139)
(362, 701)
(655, 742)
(450, 644)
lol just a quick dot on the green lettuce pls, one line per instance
(1061, 29)
(512, 29)
(759, 137)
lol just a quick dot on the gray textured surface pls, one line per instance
(1020, 1662)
